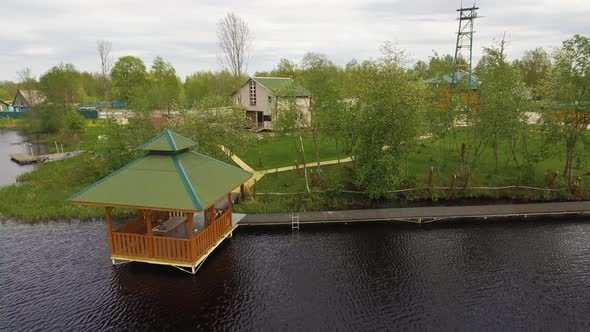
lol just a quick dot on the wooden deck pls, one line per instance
(130, 242)
(422, 214)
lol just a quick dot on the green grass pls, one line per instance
(273, 151)
(11, 123)
(429, 154)
(41, 194)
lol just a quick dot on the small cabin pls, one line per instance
(168, 188)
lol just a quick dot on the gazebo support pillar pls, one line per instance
(148, 218)
(191, 233)
(229, 210)
(110, 230)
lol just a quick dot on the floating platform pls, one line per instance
(23, 158)
(26, 159)
(421, 214)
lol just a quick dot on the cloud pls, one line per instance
(41, 34)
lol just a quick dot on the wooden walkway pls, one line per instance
(422, 214)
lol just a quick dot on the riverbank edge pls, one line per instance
(421, 214)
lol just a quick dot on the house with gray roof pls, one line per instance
(259, 97)
(24, 100)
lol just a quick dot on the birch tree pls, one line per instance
(234, 39)
(390, 102)
(567, 98)
(106, 64)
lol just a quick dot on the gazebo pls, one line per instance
(167, 186)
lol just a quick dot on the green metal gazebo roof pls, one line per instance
(168, 141)
(168, 177)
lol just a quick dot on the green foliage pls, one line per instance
(503, 103)
(41, 194)
(129, 77)
(202, 85)
(437, 66)
(74, 123)
(61, 84)
(534, 67)
(118, 145)
(47, 119)
(391, 103)
(165, 86)
(213, 122)
(566, 92)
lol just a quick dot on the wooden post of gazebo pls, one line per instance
(150, 234)
(172, 179)
(190, 217)
(109, 229)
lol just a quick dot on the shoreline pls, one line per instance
(421, 214)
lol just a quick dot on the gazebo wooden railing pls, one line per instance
(130, 241)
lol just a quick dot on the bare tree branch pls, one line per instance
(233, 36)
(106, 62)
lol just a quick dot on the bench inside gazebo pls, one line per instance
(170, 187)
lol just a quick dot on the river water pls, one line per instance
(12, 141)
(470, 275)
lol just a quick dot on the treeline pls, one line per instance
(380, 111)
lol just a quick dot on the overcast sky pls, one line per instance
(41, 33)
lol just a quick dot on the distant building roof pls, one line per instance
(280, 86)
(33, 97)
(461, 78)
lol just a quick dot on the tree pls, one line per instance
(129, 78)
(62, 84)
(290, 119)
(503, 103)
(26, 80)
(106, 64)
(166, 87)
(566, 90)
(534, 66)
(214, 121)
(233, 37)
(390, 101)
(324, 80)
(201, 85)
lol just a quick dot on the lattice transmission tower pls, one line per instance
(464, 46)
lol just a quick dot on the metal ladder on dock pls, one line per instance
(294, 222)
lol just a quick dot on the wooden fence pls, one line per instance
(130, 240)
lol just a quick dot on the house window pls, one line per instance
(267, 118)
(270, 99)
(252, 93)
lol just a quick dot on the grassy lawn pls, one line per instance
(430, 154)
(272, 151)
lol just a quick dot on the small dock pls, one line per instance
(421, 214)
(26, 159)
(23, 158)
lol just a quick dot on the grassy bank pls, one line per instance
(41, 194)
(272, 151)
(11, 123)
(330, 192)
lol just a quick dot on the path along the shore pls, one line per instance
(422, 214)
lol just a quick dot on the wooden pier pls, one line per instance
(26, 159)
(421, 214)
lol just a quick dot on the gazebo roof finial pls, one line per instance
(168, 141)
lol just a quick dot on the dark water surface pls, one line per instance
(490, 275)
